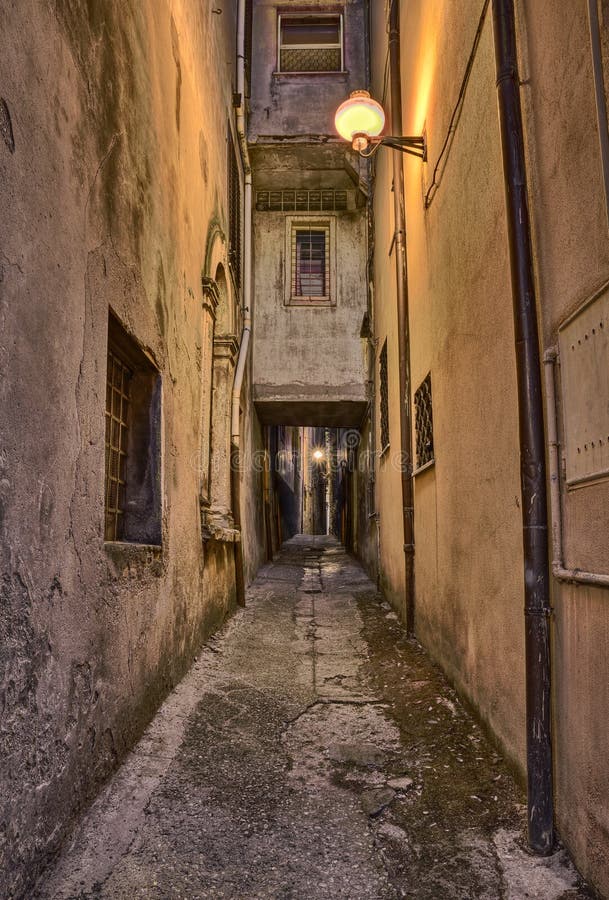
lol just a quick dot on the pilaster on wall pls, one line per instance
(211, 299)
(218, 519)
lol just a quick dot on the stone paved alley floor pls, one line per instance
(312, 752)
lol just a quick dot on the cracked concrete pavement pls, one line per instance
(312, 752)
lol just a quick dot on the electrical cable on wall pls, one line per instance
(456, 114)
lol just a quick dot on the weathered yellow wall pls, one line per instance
(468, 562)
(572, 263)
(387, 465)
(469, 567)
(119, 114)
(467, 517)
(469, 611)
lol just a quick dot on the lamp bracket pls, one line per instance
(366, 145)
(415, 146)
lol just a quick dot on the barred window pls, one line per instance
(234, 213)
(310, 43)
(118, 391)
(424, 423)
(384, 397)
(310, 263)
(132, 464)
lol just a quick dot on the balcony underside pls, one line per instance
(330, 413)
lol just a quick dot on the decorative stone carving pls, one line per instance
(211, 295)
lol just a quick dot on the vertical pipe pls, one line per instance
(549, 361)
(235, 483)
(247, 313)
(532, 450)
(599, 94)
(402, 309)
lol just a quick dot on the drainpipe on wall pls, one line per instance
(401, 272)
(532, 449)
(599, 93)
(247, 312)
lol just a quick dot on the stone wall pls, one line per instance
(113, 177)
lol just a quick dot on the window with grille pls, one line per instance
(310, 263)
(302, 201)
(384, 397)
(118, 390)
(132, 463)
(234, 213)
(310, 43)
(424, 423)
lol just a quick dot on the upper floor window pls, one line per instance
(310, 273)
(311, 262)
(310, 43)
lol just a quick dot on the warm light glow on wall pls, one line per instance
(424, 81)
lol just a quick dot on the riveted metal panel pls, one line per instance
(584, 367)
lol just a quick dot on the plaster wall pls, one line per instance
(111, 170)
(467, 522)
(468, 558)
(572, 256)
(387, 460)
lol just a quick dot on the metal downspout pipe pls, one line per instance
(402, 310)
(532, 443)
(599, 94)
(235, 456)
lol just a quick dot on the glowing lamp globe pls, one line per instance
(359, 118)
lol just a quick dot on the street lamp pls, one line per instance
(360, 120)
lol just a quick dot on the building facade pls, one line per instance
(121, 280)
(468, 561)
(309, 216)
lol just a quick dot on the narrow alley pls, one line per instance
(312, 752)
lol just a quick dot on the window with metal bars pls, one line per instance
(118, 391)
(301, 201)
(310, 263)
(234, 213)
(384, 397)
(310, 43)
(132, 461)
(424, 423)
